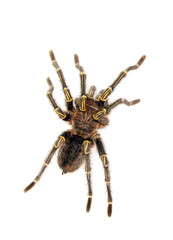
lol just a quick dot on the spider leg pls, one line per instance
(107, 109)
(83, 97)
(88, 175)
(99, 95)
(57, 144)
(119, 101)
(91, 92)
(108, 91)
(58, 110)
(88, 172)
(67, 93)
(105, 162)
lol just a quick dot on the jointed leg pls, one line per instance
(60, 140)
(83, 98)
(68, 96)
(99, 95)
(108, 91)
(58, 110)
(105, 162)
(88, 172)
(107, 109)
(121, 100)
(91, 92)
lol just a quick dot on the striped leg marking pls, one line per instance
(69, 99)
(119, 101)
(57, 144)
(99, 114)
(60, 113)
(59, 141)
(108, 91)
(87, 145)
(88, 175)
(105, 162)
(58, 110)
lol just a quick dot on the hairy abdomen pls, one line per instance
(70, 156)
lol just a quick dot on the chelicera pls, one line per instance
(86, 116)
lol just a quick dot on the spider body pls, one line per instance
(86, 117)
(70, 156)
(83, 122)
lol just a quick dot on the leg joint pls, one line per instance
(59, 141)
(104, 159)
(60, 113)
(86, 144)
(67, 95)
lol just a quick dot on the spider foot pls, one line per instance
(31, 185)
(131, 102)
(89, 204)
(109, 209)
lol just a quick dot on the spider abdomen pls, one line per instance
(70, 156)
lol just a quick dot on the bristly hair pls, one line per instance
(87, 115)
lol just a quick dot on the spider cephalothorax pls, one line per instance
(83, 122)
(86, 117)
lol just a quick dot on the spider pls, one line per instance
(86, 117)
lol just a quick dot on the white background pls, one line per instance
(108, 37)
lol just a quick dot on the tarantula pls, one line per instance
(86, 117)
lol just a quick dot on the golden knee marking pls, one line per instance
(104, 159)
(61, 115)
(56, 110)
(45, 164)
(83, 103)
(58, 69)
(48, 93)
(59, 142)
(107, 182)
(86, 146)
(105, 94)
(99, 114)
(89, 196)
(82, 73)
(67, 95)
(35, 181)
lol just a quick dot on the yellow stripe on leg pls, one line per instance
(83, 103)
(86, 146)
(104, 159)
(67, 95)
(105, 94)
(59, 141)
